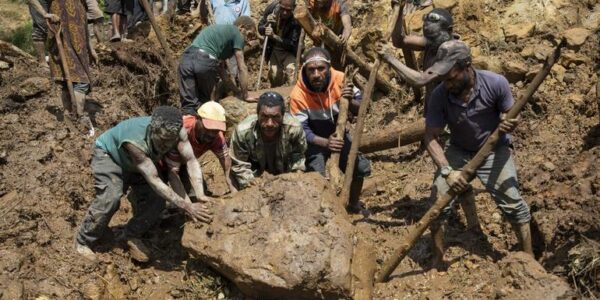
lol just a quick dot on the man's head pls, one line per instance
(165, 125)
(322, 4)
(453, 65)
(270, 110)
(211, 121)
(286, 9)
(316, 68)
(246, 26)
(437, 26)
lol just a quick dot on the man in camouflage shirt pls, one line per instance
(271, 140)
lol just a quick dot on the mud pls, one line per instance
(46, 183)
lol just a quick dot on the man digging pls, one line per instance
(125, 156)
(472, 103)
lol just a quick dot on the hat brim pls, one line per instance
(441, 68)
(213, 124)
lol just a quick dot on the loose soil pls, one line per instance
(46, 183)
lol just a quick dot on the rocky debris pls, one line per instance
(31, 87)
(447, 4)
(516, 32)
(514, 70)
(285, 237)
(576, 36)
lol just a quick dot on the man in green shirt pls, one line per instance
(203, 60)
(124, 157)
(271, 141)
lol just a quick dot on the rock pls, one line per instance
(569, 57)
(31, 87)
(558, 72)
(515, 32)
(514, 70)
(286, 237)
(592, 22)
(527, 52)
(576, 36)
(4, 65)
(548, 166)
(489, 63)
(447, 4)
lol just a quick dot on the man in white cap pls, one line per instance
(205, 132)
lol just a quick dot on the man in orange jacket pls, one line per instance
(314, 102)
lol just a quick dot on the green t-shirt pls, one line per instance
(219, 40)
(135, 131)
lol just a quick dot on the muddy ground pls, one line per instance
(46, 183)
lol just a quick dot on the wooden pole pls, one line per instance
(468, 172)
(330, 39)
(393, 137)
(159, 35)
(362, 115)
(411, 61)
(333, 168)
(299, 54)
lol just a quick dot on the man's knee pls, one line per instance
(363, 167)
(315, 162)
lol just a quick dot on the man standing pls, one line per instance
(200, 62)
(124, 157)
(437, 29)
(283, 31)
(70, 17)
(227, 11)
(39, 31)
(271, 140)
(314, 102)
(205, 132)
(119, 10)
(473, 104)
(335, 14)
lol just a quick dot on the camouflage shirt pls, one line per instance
(248, 153)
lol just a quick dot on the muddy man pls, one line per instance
(125, 156)
(472, 103)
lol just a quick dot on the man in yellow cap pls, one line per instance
(205, 132)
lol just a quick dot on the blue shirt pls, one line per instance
(471, 123)
(227, 11)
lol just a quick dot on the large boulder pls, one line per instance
(285, 237)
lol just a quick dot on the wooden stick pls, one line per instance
(468, 172)
(299, 54)
(411, 61)
(262, 61)
(333, 168)
(362, 115)
(330, 39)
(159, 35)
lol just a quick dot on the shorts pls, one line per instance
(121, 7)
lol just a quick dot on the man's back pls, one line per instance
(219, 41)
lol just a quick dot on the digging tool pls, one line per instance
(161, 38)
(67, 75)
(262, 60)
(362, 114)
(299, 54)
(467, 172)
(333, 168)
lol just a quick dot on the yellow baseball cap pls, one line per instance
(213, 115)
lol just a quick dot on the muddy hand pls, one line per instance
(52, 18)
(508, 125)
(457, 182)
(345, 36)
(381, 47)
(199, 212)
(348, 91)
(334, 143)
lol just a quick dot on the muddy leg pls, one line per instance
(523, 232)
(66, 101)
(470, 209)
(79, 103)
(437, 246)
(98, 32)
(40, 50)
(355, 190)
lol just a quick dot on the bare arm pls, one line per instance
(225, 161)
(433, 146)
(347, 23)
(243, 73)
(38, 7)
(193, 167)
(146, 167)
(412, 77)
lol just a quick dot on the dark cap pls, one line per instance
(447, 55)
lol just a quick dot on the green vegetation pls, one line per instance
(20, 37)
